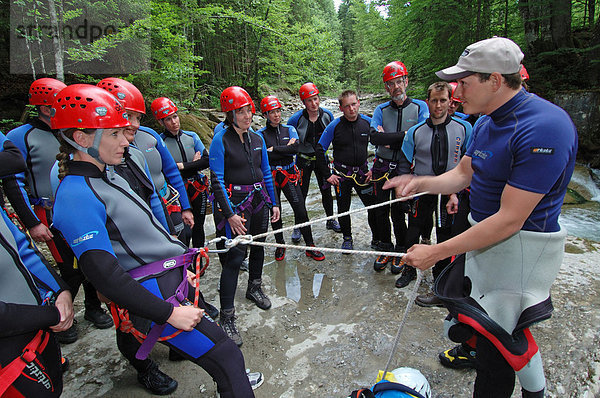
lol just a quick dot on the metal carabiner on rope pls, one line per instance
(215, 241)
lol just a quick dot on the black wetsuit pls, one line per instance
(281, 159)
(183, 147)
(309, 134)
(350, 141)
(235, 164)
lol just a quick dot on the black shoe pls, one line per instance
(228, 325)
(407, 276)
(429, 300)
(458, 357)
(397, 266)
(68, 336)
(255, 293)
(156, 381)
(333, 225)
(347, 244)
(98, 317)
(375, 244)
(211, 310)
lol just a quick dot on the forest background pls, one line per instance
(189, 50)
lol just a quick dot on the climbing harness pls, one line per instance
(352, 172)
(196, 257)
(291, 177)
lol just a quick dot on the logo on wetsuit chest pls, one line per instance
(542, 151)
(84, 237)
(169, 264)
(482, 154)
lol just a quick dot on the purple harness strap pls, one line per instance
(176, 299)
(351, 170)
(246, 203)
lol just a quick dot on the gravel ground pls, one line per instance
(332, 325)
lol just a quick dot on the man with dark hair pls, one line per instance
(433, 147)
(349, 135)
(518, 164)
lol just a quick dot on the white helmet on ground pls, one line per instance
(414, 379)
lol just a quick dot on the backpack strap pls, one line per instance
(362, 393)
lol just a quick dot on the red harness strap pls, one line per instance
(13, 370)
(40, 212)
(121, 315)
(288, 177)
(199, 186)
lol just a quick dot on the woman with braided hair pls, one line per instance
(121, 247)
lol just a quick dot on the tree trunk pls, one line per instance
(56, 42)
(530, 23)
(560, 23)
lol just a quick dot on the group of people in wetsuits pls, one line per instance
(130, 200)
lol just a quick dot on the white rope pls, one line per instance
(411, 301)
(249, 240)
(311, 222)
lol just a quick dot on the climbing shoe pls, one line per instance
(459, 357)
(408, 274)
(347, 244)
(98, 317)
(68, 336)
(397, 265)
(228, 325)
(296, 235)
(156, 382)
(315, 254)
(333, 225)
(255, 378)
(380, 262)
(255, 293)
(280, 253)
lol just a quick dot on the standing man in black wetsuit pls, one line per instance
(310, 123)
(349, 135)
(390, 122)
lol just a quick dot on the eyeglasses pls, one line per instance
(398, 82)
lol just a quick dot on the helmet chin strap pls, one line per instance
(93, 151)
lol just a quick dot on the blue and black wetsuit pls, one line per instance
(112, 230)
(164, 172)
(309, 134)
(390, 162)
(28, 287)
(183, 147)
(242, 184)
(350, 141)
(39, 146)
(433, 150)
(284, 171)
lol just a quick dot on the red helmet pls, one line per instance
(42, 91)
(162, 107)
(308, 90)
(127, 93)
(454, 85)
(523, 72)
(235, 97)
(393, 70)
(269, 103)
(85, 106)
